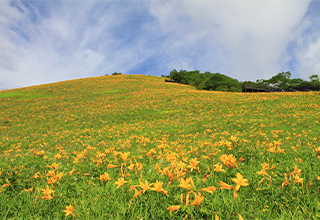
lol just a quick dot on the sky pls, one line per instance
(44, 41)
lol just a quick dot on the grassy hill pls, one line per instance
(131, 146)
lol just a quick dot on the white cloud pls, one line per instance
(248, 37)
(307, 45)
(309, 59)
(8, 14)
(70, 41)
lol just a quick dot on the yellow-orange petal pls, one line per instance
(225, 185)
(5, 185)
(174, 208)
(47, 197)
(208, 189)
(111, 166)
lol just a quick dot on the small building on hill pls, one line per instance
(248, 87)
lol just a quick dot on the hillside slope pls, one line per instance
(67, 135)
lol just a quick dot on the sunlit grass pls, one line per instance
(133, 146)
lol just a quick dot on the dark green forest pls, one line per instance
(219, 82)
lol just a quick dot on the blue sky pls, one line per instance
(50, 41)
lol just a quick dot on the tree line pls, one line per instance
(219, 82)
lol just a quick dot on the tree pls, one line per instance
(295, 84)
(217, 80)
(280, 81)
(314, 79)
(178, 76)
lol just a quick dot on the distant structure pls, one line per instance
(249, 87)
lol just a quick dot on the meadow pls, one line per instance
(135, 147)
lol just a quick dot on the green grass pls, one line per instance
(10, 94)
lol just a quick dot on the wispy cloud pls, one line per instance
(46, 41)
(306, 50)
(67, 40)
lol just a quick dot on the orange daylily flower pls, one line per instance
(174, 208)
(263, 173)
(55, 166)
(51, 173)
(186, 184)
(131, 166)
(5, 185)
(181, 165)
(218, 168)
(228, 160)
(157, 166)
(296, 170)
(47, 191)
(225, 185)
(265, 166)
(36, 175)
(168, 172)
(28, 190)
(229, 145)
(158, 187)
(193, 164)
(47, 197)
(69, 210)
(145, 186)
(297, 179)
(240, 181)
(133, 187)
(151, 151)
(60, 175)
(52, 180)
(233, 138)
(139, 166)
(120, 182)
(124, 156)
(111, 166)
(198, 199)
(71, 172)
(208, 189)
(104, 177)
